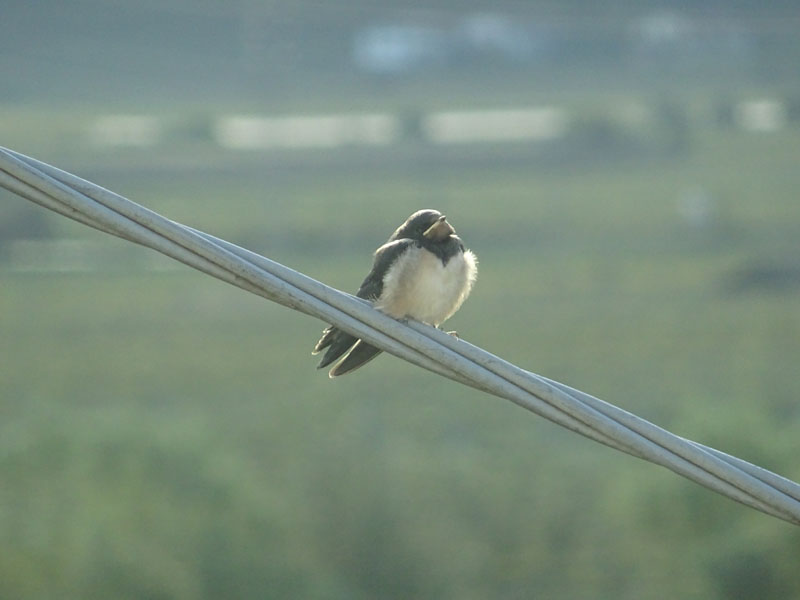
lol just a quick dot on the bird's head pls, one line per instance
(426, 224)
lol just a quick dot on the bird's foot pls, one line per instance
(453, 333)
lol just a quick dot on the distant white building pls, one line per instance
(495, 34)
(394, 49)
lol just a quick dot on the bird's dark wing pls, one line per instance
(337, 341)
(372, 286)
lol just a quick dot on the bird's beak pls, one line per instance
(439, 231)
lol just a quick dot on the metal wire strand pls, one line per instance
(415, 342)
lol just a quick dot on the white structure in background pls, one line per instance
(125, 130)
(760, 115)
(314, 131)
(502, 125)
(394, 49)
(495, 34)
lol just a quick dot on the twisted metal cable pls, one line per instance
(415, 342)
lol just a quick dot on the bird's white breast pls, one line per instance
(418, 285)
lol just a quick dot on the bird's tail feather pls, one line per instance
(339, 344)
(359, 355)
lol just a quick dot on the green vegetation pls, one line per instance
(166, 436)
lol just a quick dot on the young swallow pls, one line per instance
(422, 272)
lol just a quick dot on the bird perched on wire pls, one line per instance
(422, 272)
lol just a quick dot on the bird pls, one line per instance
(422, 272)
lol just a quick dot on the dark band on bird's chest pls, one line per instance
(444, 251)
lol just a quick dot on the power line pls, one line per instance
(415, 342)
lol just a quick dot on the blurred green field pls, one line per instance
(167, 436)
